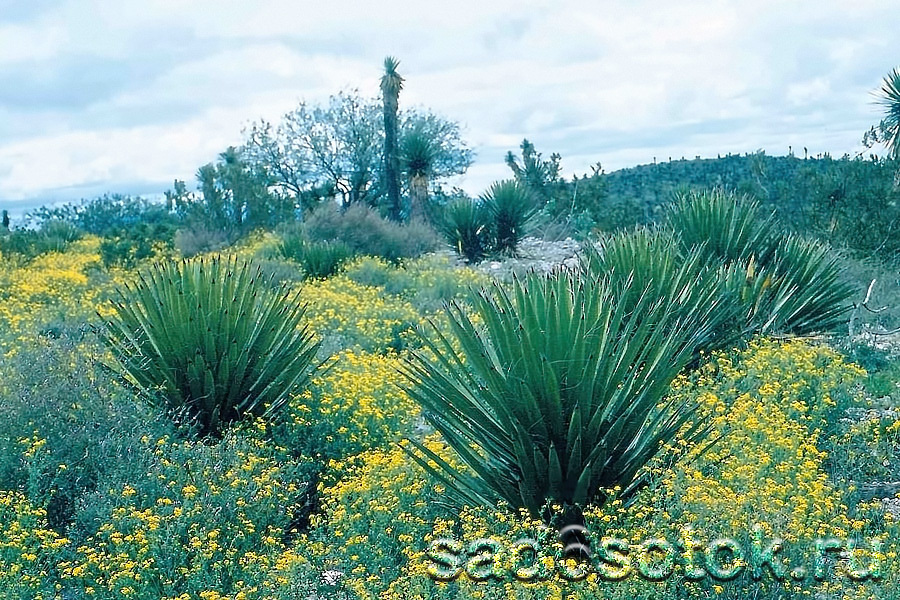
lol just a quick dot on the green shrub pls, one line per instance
(318, 259)
(427, 282)
(364, 231)
(198, 238)
(324, 259)
(210, 341)
(291, 241)
(558, 395)
(124, 251)
(277, 271)
(112, 214)
(511, 208)
(53, 236)
(68, 430)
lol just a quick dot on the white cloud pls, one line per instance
(619, 82)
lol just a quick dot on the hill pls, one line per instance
(852, 202)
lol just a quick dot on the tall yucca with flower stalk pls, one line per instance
(391, 84)
(559, 391)
(211, 341)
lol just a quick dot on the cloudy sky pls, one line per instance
(118, 95)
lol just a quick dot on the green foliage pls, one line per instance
(852, 203)
(567, 208)
(113, 215)
(634, 260)
(317, 153)
(729, 226)
(511, 207)
(54, 235)
(197, 238)
(126, 252)
(131, 226)
(364, 231)
(323, 259)
(234, 196)
(417, 152)
(558, 396)
(447, 152)
(801, 291)
(210, 341)
(318, 259)
(427, 282)
(465, 225)
(887, 132)
(539, 176)
(55, 393)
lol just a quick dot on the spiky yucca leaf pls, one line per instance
(785, 284)
(801, 290)
(730, 226)
(464, 225)
(512, 208)
(560, 393)
(651, 261)
(649, 254)
(210, 341)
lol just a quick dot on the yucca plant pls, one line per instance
(559, 391)
(731, 227)
(512, 208)
(324, 259)
(650, 262)
(785, 284)
(318, 259)
(801, 291)
(210, 342)
(464, 225)
(292, 245)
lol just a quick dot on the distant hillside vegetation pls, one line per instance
(854, 203)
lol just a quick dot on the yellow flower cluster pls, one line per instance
(356, 315)
(52, 286)
(221, 533)
(373, 518)
(361, 395)
(257, 244)
(27, 548)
